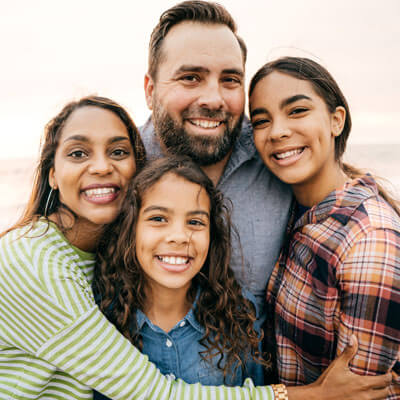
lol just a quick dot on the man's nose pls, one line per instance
(211, 96)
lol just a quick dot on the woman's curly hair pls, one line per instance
(120, 283)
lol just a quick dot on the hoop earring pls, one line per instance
(49, 202)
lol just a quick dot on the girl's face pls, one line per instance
(173, 232)
(93, 163)
(294, 132)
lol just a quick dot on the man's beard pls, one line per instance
(203, 149)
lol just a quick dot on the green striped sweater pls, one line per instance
(56, 344)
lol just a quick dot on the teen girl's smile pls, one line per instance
(173, 232)
(93, 163)
(294, 132)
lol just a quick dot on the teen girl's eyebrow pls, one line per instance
(83, 138)
(284, 103)
(199, 212)
(293, 99)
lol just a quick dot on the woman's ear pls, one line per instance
(338, 120)
(52, 179)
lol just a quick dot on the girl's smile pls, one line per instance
(172, 232)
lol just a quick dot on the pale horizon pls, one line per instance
(54, 52)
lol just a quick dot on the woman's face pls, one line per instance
(173, 232)
(294, 132)
(93, 163)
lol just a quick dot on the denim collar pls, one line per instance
(190, 317)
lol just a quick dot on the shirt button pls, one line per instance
(182, 324)
(168, 343)
(170, 377)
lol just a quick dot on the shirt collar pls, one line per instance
(190, 317)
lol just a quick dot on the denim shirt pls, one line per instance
(260, 212)
(177, 353)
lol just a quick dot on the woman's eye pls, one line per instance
(77, 154)
(120, 153)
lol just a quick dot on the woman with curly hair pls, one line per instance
(164, 278)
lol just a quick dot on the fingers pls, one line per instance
(378, 381)
(350, 351)
(379, 394)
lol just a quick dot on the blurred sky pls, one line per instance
(54, 51)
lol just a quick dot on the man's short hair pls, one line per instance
(193, 10)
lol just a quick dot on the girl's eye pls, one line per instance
(260, 123)
(298, 110)
(77, 154)
(158, 218)
(196, 222)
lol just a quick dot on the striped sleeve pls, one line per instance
(95, 353)
(47, 312)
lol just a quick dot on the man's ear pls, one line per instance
(338, 120)
(148, 90)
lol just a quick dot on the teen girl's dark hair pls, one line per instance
(222, 310)
(326, 87)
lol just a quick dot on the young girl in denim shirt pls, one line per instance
(165, 282)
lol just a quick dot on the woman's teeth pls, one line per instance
(286, 154)
(99, 192)
(173, 260)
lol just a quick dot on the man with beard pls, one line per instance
(195, 88)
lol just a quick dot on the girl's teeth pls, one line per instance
(99, 192)
(287, 154)
(173, 260)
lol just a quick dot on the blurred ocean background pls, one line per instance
(16, 175)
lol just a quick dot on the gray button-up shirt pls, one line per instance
(260, 209)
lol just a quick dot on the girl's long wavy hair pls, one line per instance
(120, 283)
(36, 206)
(327, 88)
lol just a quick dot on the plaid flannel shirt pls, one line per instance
(338, 274)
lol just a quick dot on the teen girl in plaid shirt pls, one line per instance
(339, 271)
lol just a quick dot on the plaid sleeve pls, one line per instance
(370, 301)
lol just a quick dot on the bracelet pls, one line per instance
(280, 392)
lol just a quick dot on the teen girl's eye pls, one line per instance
(260, 123)
(298, 110)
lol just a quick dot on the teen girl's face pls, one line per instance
(173, 232)
(294, 132)
(93, 163)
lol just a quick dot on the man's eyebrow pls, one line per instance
(233, 71)
(191, 68)
(293, 99)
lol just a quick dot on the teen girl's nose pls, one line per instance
(279, 129)
(100, 164)
(211, 95)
